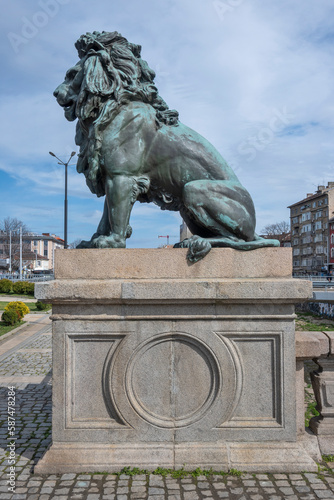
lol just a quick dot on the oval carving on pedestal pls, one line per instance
(172, 380)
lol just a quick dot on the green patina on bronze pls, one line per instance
(134, 148)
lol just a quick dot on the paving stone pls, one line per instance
(66, 477)
(123, 490)
(323, 493)
(82, 484)
(189, 495)
(189, 487)
(286, 491)
(202, 484)
(155, 491)
(236, 491)
(302, 489)
(249, 482)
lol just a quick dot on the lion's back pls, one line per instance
(186, 151)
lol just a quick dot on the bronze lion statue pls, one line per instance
(133, 147)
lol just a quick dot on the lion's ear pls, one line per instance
(95, 80)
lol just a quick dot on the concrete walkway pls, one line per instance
(25, 365)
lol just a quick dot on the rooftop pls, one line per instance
(310, 196)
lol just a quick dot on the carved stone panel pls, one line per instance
(261, 402)
(85, 401)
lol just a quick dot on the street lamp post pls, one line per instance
(60, 162)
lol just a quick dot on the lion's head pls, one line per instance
(110, 73)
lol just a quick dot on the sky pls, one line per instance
(253, 77)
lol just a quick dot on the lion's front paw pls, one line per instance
(112, 241)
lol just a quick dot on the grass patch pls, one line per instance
(16, 295)
(311, 410)
(178, 473)
(5, 328)
(31, 305)
(308, 322)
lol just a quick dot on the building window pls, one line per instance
(35, 243)
(306, 228)
(306, 216)
(46, 253)
(318, 225)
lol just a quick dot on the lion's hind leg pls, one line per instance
(220, 214)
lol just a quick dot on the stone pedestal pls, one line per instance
(323, 386)
(160, 363)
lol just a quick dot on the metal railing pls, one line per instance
(31, 278)
(319, 281)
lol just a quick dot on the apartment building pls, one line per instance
(310, 227)
(37, 250)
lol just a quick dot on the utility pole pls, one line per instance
(20, 252)
(10, 252)
(60, 162)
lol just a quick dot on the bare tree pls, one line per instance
(277, 230)
(10, 228)
(74, 243)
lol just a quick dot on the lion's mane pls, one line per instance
(114, 74)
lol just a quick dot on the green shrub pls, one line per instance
(20, 307)
(20, 287)
(6, 286)
(10, 317)
(41, 306)
(30, 288)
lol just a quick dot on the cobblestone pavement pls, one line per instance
(25, 365)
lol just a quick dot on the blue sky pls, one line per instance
(253, 77)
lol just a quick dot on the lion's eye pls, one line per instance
(70, 75)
